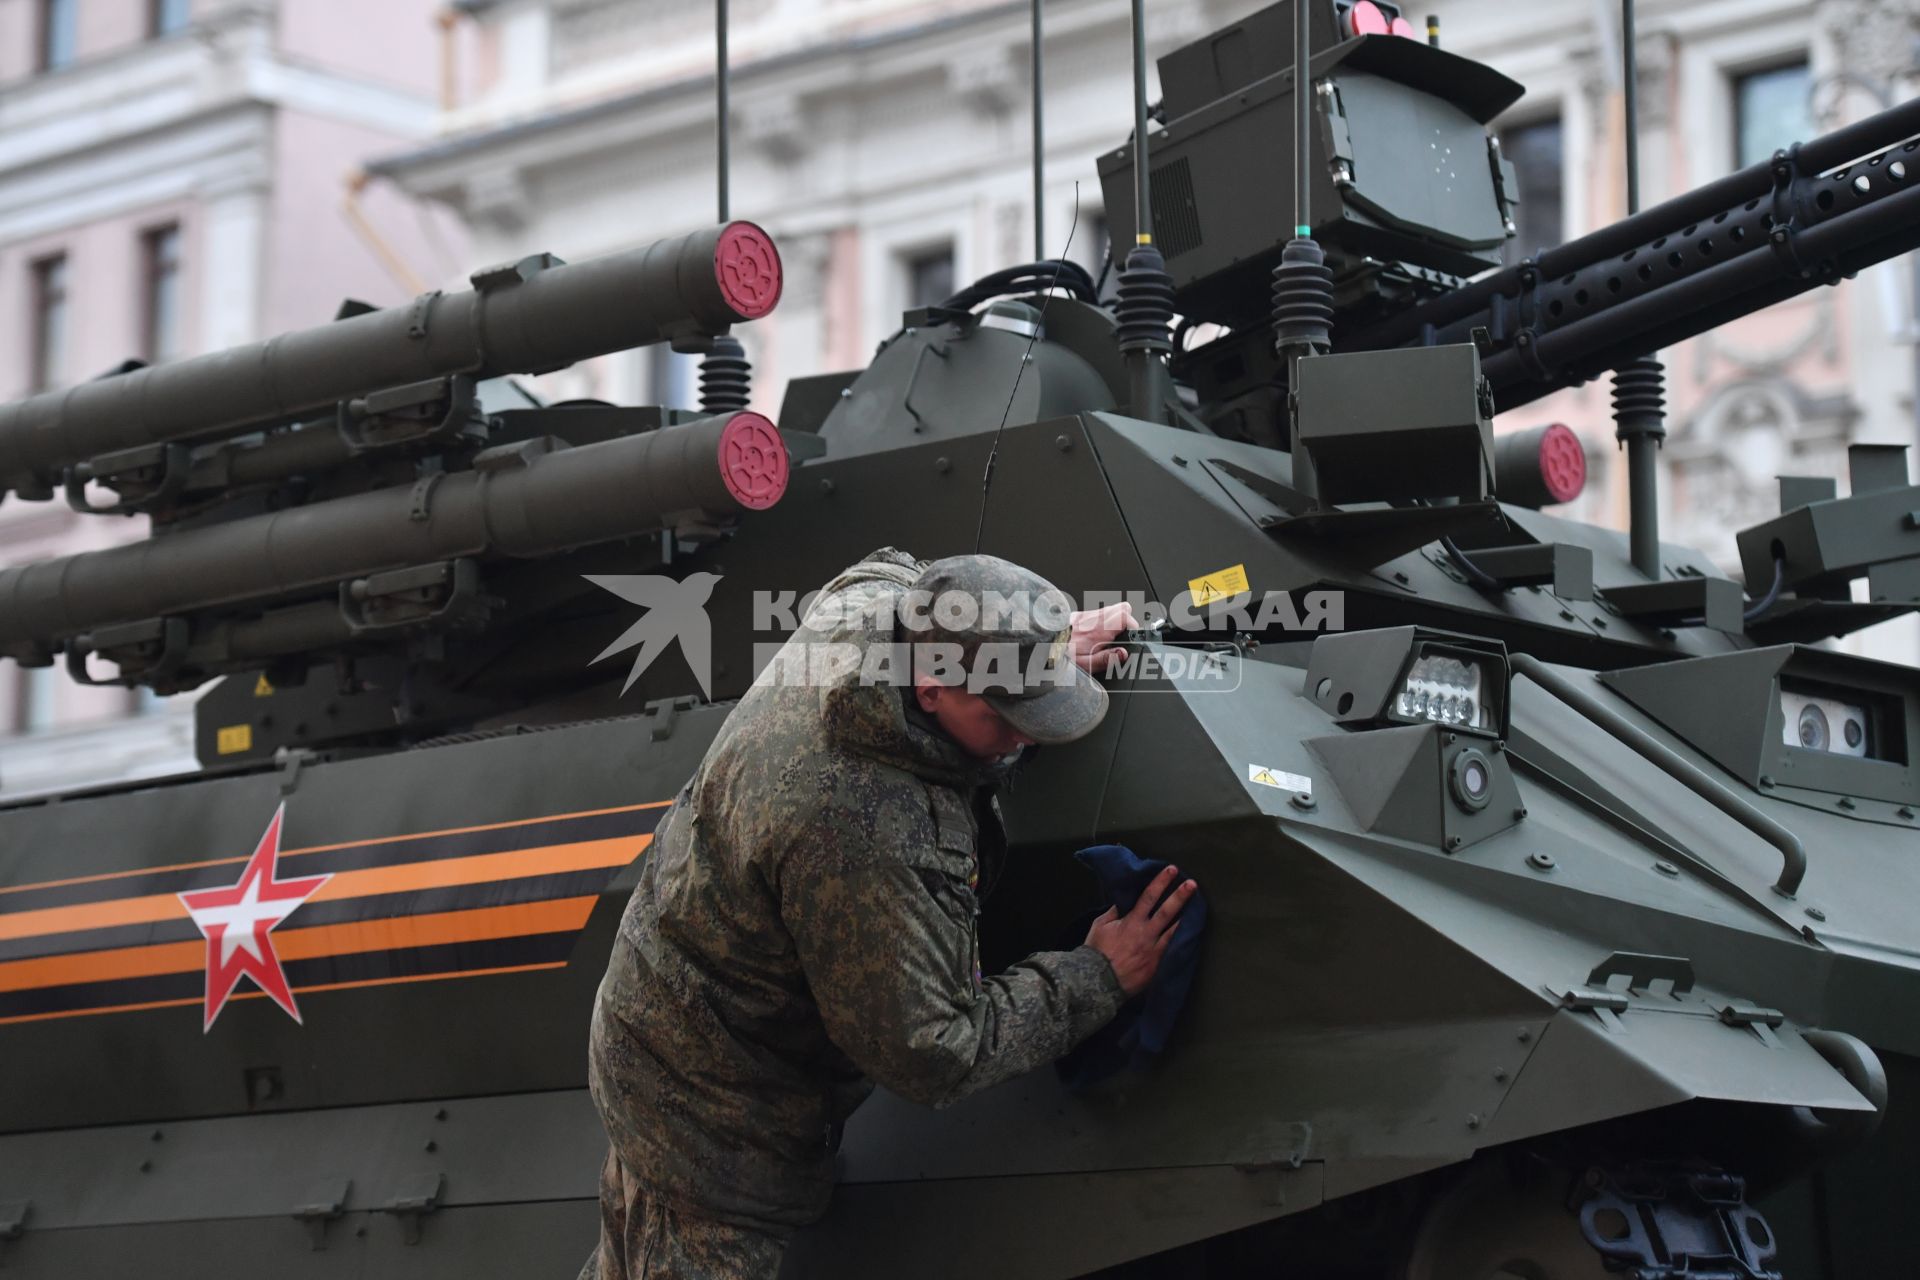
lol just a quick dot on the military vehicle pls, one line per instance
(1561, 887)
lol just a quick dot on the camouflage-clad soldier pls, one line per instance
(804, 924)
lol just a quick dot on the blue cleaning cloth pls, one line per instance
(1139, 1034)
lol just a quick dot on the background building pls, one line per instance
(885, 144)
(172, 180)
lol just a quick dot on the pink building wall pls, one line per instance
(314, 256)
(17, 36)
(394, 44)
(310, 256)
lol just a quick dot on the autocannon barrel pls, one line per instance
(1815, 214)
(520, 503)
(526, 317)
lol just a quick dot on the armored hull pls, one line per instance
(1375, 1005)
(1559, 885)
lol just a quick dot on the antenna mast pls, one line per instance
(726, 377)
(1144, 307)
(1039, 151)
(1639, 386)
(1302, 283)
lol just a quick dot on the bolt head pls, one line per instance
(1666, 868)
(1815, 913)
(1540, 861)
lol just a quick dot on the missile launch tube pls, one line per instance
(524, 318)
(550, 502)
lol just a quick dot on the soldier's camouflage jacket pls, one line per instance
(803, 926)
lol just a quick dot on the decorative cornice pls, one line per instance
(985, 79)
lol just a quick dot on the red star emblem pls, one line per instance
(238, 919)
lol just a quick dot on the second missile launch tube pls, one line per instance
(712, 468)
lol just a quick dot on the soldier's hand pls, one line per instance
(1094, 630)
(1134, 943)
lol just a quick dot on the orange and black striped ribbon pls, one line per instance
(442, 904)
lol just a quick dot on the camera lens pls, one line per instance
(1853, 733)
(1470, 779)
(1813, 728)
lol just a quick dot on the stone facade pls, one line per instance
(222, 133)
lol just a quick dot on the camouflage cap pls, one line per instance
(1008, 633)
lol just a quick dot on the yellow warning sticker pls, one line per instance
(262, 688)
(1268, 776)
(1223, 585)
(233, 738)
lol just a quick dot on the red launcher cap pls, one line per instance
(753, 461)
(748, 268)
(1563, 462)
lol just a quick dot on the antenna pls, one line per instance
(1039, 149)
(1302, 283)
(1026, 359)
(1142, 205)
(1639, 386)
(720, 76)
(726, 378)
(1144, 307)
(1302, 142)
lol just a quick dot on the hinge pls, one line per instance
(328, 1201)
(664, 712)
(1293, 1144)
(1756, 1018)
(13, 1222)
(1604, 1005)
(417, 1198)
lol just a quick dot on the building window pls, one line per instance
(49, 325)
(33, 700)
(928, 274)
(1771, 110)
(160, 294)
(164, 17)
(1536, 154)
(59, 32)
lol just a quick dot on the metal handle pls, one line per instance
(1716, 793)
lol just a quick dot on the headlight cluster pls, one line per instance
(1445, 691)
